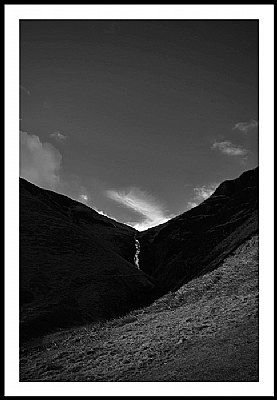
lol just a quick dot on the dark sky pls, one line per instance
(138, 119)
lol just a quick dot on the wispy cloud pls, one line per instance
(245, 127)
(39, 162)
(229, 148)
(83, 198)
(201, 193)
(149, 208)
(191, 204)
(58, 136)
(205, 191)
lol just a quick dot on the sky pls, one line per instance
(139, 119)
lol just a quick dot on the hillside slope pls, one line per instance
(205, 331)
(75, 264)
(197, 241)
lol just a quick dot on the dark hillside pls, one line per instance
(75, 264)
(197, 241)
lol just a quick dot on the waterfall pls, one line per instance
(136, 258)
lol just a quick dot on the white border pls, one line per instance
(13, 13)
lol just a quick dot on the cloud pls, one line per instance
(246, 126)
(58, 136)
(152, 212)
(83, 198)
(201, 193)
(39, 162)
(229, 148)
(204, 192)
(191, 204)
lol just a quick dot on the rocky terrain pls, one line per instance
(205, 331)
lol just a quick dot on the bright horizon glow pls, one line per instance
(152, 212)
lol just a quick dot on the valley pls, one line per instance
(205, 331)
(100, 301)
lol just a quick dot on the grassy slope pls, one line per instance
(75, 264)
(205, 331)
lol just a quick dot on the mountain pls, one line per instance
(75, 264)
(197, 241)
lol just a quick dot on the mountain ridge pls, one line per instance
(77, 265)
(215, 227)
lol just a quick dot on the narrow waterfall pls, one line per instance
(136, 258)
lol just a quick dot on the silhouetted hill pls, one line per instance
(197, 241)
(75, 264)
